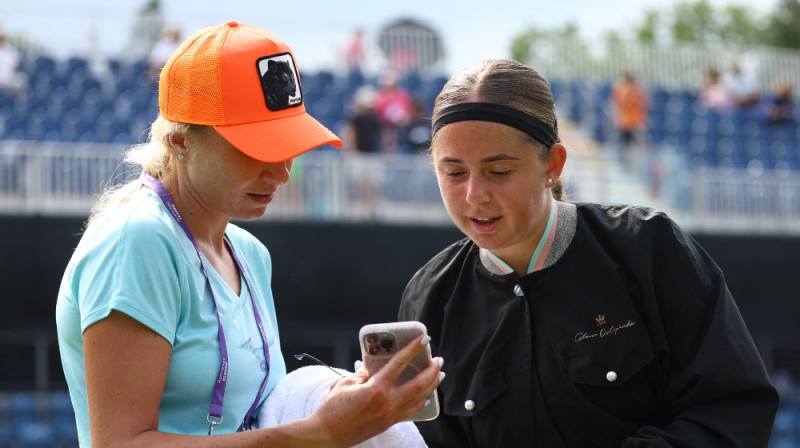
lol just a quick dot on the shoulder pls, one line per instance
(245, 240)
(142, 221)
(444, 266)
(453, 254)
(647, 239)
(626, 221)
(251, 250)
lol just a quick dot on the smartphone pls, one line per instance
(379, 342)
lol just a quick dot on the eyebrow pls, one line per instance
(496, 158)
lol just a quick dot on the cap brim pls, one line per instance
(281, 139)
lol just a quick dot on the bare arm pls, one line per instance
(126, 370)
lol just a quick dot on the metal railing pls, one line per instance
(673, 66)
(53, 179)
(46, 178)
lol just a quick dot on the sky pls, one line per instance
(317, 29)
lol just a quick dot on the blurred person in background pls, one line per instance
(355, 52)
(415, 136)
(741, 86)
(570, 324)
(630, 103)
(714, 95)
(362, 146)
(394, 105)
(12, 81)
(163, 49)
(779, 106)
(166, 321)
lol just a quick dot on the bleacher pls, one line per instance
(114, 101)
(739, 138)
(37, 420)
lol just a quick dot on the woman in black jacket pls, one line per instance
(570, 325)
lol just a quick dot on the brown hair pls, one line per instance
(508, 83)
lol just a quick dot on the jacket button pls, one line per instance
(518, 291)
(469, 405)
(611, 376)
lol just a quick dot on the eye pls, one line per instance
(500, 173)
(454, 174)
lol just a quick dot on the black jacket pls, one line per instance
(630, 339)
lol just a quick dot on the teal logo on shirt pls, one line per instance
(258, 352)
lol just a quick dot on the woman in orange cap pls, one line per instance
(166, 321)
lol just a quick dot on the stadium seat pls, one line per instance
(33, 435)
(6, 436)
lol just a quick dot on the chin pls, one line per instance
(251, 215)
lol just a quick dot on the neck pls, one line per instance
(206, 226)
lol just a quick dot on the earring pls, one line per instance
(549, 180)
(180, 156)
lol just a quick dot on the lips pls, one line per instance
(484, 224)
(261, 198)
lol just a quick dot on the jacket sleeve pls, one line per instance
(715, 389)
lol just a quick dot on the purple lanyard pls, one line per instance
(214, 416)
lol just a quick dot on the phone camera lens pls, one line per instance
(374, 349)
(372, 339)
(387, 344)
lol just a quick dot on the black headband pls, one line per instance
(497, 113)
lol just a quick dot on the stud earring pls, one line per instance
(549, 180)
(180, 156)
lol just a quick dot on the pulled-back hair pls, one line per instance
(507, 83)
(153, 157)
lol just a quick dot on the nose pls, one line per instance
(278, 171)
(477, 193)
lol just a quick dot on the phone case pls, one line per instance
(379, 342)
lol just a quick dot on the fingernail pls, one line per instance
(357, 365)
(425, 340)
(427, 402)
(441, 362)
(441, 376)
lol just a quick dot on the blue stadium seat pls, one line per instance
(22, 407)
(59, 404)
(42, 65)
(6, 436)
(34, 435)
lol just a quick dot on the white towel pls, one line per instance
(302, 391)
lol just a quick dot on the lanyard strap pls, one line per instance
(214, 416)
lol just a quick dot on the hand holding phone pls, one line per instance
(379, 342)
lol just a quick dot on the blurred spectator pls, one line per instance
(415, 137)
(394, 105)
(362, 138)
(11, 79)
(741, 86)
(363, 131)
(631, 101)
(146, 30)
(779, 106)
(162, 50)
(714, 95)
(355, 51)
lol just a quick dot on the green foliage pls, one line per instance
(646, 31)
(522, 46)
(695, 21)
(784, 25)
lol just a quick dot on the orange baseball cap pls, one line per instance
(243, 81)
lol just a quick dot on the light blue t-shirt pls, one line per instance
(138, 261)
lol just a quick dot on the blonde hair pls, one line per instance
(508, 83)
(154, 157)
